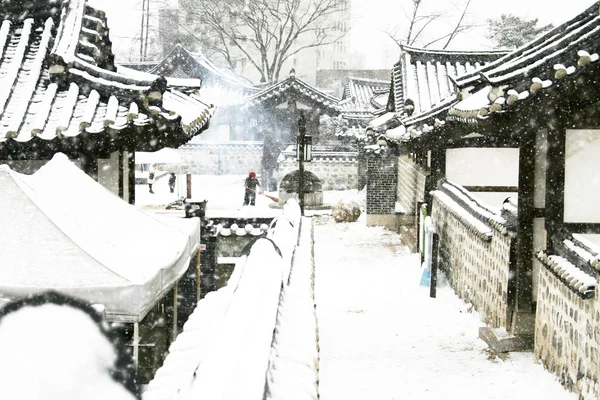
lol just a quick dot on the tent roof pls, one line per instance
(62, 230)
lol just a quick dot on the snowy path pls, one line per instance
(382, 337)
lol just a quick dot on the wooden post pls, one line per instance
(131, 175)
(175, 311)
(434, 266)
(198, 276)
(522, 323)
(136, 344)
(188, 180)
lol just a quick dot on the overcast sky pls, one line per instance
(371, 17)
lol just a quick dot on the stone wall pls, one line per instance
(411, 185)
(233, 158)
(333, 174)
(567, 335)
(362, 169)
(477, 269)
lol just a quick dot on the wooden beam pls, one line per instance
(582, 227)
(131, 175)
(501, 189)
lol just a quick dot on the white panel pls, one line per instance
(483, 166)
(108, 172)
(582, 178)
(224, 132)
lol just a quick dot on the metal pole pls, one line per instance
(302, 131)
(434, 266)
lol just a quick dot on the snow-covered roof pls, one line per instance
(297, 89)
(550, 63)
(575, 261)
(60, 81)
(219, 85)
(425, 76)
(362, 96)
(63, 231)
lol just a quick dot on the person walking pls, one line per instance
(250, 184)
(172, 180)
(151, 180)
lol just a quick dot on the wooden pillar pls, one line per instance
(131, 175)
(437, 171)
(523, 318)
(136, 345)
(121, 171)
(188, 183)
(555, 180)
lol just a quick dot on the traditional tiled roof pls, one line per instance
(425, 76)
(549, 64)
(219, 85)
(57, 80)
(574, 262)
(297, 89)
(362, 96)
(238, 226)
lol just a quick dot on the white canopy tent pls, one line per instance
(61, 230)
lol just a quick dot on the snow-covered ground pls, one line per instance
(383, 337)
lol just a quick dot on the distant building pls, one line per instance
(336, 55)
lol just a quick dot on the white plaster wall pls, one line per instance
(483, 166)
(582, 175)
(108, 172)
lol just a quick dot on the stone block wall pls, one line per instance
(219, 158)
(477, 269)
(411, 184)
(567, 335)
(333, 174)
(382, 177)
(361, 169)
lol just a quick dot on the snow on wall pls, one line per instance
(477, 269)
(582, 182)
(226, 345)
(567, 333)
(483, 166)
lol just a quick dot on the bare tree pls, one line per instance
(266, 33)
(421, 23)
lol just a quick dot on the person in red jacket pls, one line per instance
(251, 185)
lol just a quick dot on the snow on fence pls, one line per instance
(474, 250)
(240, 340)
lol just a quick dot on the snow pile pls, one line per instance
(57, 352)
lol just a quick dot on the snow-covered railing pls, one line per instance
(225, 348)
(294, 361)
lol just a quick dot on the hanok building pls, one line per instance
(277, 110)
(540, 103)
(230, 145)
(61, 92)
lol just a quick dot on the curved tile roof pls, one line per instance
(301, 91)
(57, 80)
